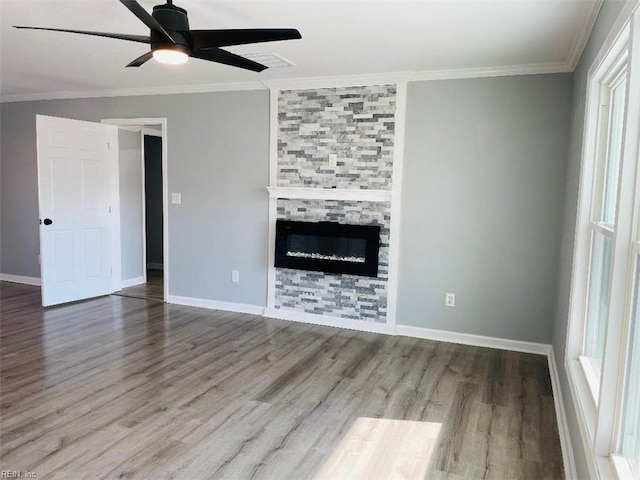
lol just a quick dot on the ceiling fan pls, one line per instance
(172, 41)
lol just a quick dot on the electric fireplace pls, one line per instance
(329, 247)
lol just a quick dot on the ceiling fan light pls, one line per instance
(170, 56)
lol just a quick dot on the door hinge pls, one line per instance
(109, 208)
(108, 146)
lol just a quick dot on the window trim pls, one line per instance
(622, 465)
(586, 223)
(600, 426)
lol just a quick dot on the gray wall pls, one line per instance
(483, 185)
(130, 166)
(153, 198)
(218, 159)
(608, 14)
(482, 194)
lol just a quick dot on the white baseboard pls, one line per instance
(155, 266)
(328, 321)
(474, 340)
(6, 277)
(132, 282)
(216, 305)
(568, 459)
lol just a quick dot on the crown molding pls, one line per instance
(400, 77)
(129, 92)
(503, 71)
(583, 34)
(337, 81)
(307, 83)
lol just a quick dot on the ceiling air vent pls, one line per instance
(269, 59)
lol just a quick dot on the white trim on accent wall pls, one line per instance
(7, 277)
(329, 321)
(396, 197)
(330, 194)
(273, 202)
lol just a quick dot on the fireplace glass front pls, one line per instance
(328, 247)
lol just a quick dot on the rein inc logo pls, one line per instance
(17, 474)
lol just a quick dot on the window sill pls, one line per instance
(592, 377)
(623, 468)
(586, 412)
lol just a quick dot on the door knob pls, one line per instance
(48, 221)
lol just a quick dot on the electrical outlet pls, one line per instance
(333, 160)
(176, 198)
(450, 300)
(235, 276)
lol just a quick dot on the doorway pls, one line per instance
(143, 208)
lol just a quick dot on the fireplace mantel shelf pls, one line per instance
(330, 194)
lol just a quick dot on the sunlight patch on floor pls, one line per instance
(379, 448)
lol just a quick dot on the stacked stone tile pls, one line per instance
(337, 295)
(357, 125)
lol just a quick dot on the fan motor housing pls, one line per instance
(175, 21)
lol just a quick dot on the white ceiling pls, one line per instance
(338, 38)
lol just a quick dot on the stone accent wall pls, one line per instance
(356, 124)
(336, 138)
(337, 295)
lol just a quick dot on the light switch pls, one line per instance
(176, 198)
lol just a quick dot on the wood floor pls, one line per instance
(152, 290)
(120, 387)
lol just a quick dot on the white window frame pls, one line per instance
(599, 405)
(608, 77)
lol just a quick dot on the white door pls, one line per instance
(75, 203)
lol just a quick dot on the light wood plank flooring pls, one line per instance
(152, 290)
(120, 387)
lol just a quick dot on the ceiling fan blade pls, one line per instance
(222, 56)
(141, 59)
(225, 38)
(132, 38)
(146, 18)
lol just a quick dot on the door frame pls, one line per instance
(141, 125)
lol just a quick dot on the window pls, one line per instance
(603, 341)
(603, 217)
